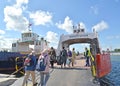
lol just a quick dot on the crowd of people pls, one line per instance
(66, 57)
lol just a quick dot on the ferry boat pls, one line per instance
(100, 61)
(21, 48)
(29, 40)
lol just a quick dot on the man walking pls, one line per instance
(63, 56)
(87, 56)
(52, 57)
(30, 64)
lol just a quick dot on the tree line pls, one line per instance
(116, 50)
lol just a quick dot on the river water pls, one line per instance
(114, 76)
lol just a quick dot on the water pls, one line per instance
(114, 76)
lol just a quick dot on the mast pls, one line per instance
(29, 27)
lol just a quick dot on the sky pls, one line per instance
(51, 18)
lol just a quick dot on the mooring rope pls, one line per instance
(15, 71)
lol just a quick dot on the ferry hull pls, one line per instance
(103, 65)
(7, 66)
(8, 61)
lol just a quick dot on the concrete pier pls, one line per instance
(79, 75)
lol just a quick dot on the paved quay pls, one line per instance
(77, 76)
(7, 81)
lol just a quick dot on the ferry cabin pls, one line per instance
(29, 40)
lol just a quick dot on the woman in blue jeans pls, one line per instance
(44, 75)
(44, 78)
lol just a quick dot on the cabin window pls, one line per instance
(78, 31)
(39, 43)
(74, 31)
(82, 30)
(14, 45)
(22, 35)
(27, 35)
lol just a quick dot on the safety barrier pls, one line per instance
(103, 65)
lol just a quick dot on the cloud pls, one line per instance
(41, 17)
(13, 16)
(82, 25)
(113, 37)
(6, 43)
(100, 26)
(67, 25)
(2, 32)
(94, 9)
(14, 19)
(52, 38)
(19, 3)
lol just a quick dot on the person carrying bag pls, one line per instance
(30, 65)
(43, 66)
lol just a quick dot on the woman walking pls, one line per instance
(44, 75)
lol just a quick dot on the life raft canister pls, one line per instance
(103, 65)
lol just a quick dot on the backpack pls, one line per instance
(28, 61)
(63, 53)
(41, 65)
(69, 53)
(59, 60)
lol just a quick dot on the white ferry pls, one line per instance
(29, 40)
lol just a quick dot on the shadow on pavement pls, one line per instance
(75, 68)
